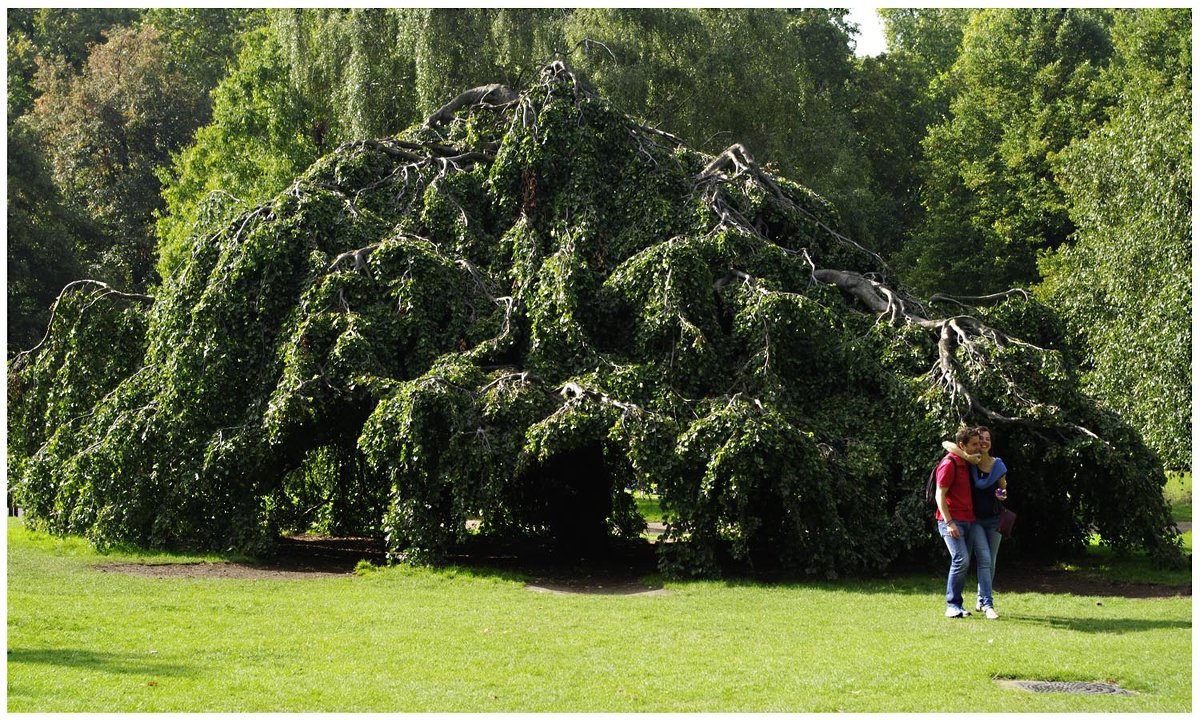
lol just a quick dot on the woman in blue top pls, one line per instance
(989, 487)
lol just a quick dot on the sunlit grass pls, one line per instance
(648, 506)
(1178, 492)
(417, 639)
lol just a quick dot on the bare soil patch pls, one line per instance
(299, 557)
(614, 587)
(229, 570)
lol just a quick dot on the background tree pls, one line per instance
(1022, 89)
(107, 130)
(22, 65)
(1125, 283)
(373, 72)
(67, 34)
(897, 96)
(202, 42)
(47, 239)
(451, 50)
(350, 66)
(930, 37)
(50, 239)
(892, 109)
(776, 81)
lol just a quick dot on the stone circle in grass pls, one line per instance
(1072, 687)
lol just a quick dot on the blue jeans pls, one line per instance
(990, 527)
(971, 541)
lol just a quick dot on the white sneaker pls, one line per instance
(990, 613)
(956, 612)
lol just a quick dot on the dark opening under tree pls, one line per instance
(521, 310)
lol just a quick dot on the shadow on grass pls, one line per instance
(1099, 625)
(620, 567)
(620, 563)
(624, 564)
(105, 662)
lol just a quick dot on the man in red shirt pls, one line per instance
(956, 516)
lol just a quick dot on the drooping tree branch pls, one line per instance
(875, 295)
(493, 95)
(959, 331)
(736, 162)
(359, 256)
(969, 301)
(104, 290)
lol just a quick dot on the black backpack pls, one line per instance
(931, 484)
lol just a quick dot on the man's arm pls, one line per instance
(943, 505)
(944, 508)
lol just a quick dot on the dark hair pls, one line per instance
(964, 435)
(983, 429)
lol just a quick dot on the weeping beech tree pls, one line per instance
(521, 311)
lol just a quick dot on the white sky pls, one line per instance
(870, 31)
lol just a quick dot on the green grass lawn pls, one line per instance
(1178, 493)
(416, 639)
(648, 506)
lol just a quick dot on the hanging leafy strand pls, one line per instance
(506, 319)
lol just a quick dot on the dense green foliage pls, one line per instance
(945, 155)
(521, 316)
(107, 130)
(1124, 285)
(43, 254)
(1021, 90)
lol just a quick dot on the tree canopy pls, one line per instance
(108, 129)
(43, 254)
(1123, 284)
(520, 310)
(1021, 89)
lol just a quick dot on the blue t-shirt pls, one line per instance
(983, 485)
(983, 480)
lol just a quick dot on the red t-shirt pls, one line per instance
(953, 473)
